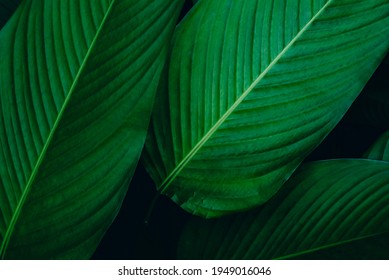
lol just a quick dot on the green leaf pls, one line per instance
(77, 84)
(7, 7)
(380, 148)
(325, 207)
(254, 86)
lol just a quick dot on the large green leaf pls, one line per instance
(329, 209)
(254, 86)
(77, 83)
(7, 7)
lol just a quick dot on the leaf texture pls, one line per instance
(77, 84)
(325, 207)
(254, 86)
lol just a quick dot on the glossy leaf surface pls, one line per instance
(77, 83)
(327, 210)
(254, 86)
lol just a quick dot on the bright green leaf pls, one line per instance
(77, 83)
(254, 86)
(325, 208)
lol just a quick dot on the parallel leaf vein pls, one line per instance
(174, 173)
(42, 155)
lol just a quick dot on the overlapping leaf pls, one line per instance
(254, 86)
(327, 210)
(77, 81)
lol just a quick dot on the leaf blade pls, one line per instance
(237, 93)
(81, 87)
(325, 205)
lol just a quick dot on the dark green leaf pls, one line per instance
(380, 149)
(325, 207)
(254, 86)
(369, 248)
(77, 81)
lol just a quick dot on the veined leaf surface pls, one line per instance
(325, 207)
(77, 83)
(254, 86)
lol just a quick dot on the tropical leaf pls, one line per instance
(7, 7)
(325, 208)
(77, 84)
(380, 148)
(254, 86)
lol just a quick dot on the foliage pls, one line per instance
(249, 122)
(76, 96)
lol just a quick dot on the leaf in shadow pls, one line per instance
(325, 207)
(380, 148)
(78, 80)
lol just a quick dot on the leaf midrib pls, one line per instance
(181, 165)
(42, 155)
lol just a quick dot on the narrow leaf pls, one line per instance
(77, 83)
(325, 207)
(254, 86)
